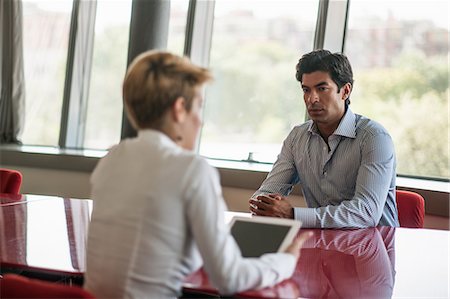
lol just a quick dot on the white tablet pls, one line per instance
(258, 235)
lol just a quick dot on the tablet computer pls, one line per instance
(258, 235)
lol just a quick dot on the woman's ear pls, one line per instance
(179, 111)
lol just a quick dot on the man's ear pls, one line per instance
(178, 110)
(346, 90)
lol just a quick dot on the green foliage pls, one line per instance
(420, 132)
(434, 70)
(411, 101)
(254, 97)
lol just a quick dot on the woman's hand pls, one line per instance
(297, 244)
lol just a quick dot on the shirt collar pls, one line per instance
(156, 136)
(346, 128)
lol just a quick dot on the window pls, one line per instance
(400, 61)
(46, 27)
(104, 114)
(103, 123)
(177, 26)
(112, 26)
(399, 52)
(255, 99)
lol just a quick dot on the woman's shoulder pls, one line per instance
(194, 163)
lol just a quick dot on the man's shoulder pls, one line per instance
(365, 125)
(298, 132)
(302, 128)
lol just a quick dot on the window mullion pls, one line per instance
(200, 34)
(78, 72)
(198, 38)
(336, 21)
(331, 25)
(321, 22)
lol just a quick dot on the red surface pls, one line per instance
(10, 181)
(48, 234)
(44, 234)
(15, 286)
(411, 209)
(333, 264)
(9, 199)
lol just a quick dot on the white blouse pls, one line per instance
(158, 211)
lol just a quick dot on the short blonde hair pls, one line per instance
(154, 81)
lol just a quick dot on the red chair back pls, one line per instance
(411, 209)
(10, 181)
(16, 286)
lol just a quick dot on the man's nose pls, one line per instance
(313, 97)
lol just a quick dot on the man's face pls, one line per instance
(325, 105)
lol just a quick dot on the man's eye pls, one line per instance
(322, 88)
(305, 90)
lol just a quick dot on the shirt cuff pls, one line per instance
(307, 216)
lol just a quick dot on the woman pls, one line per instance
(158, 206)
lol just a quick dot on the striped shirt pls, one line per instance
(348, 183)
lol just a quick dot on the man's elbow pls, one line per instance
(370, 221)
(363, 220)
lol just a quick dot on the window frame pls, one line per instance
(330, 33)
(78, 74)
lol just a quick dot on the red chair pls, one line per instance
(411, 209)
(10, 181)
(16, 286)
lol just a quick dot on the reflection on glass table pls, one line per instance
(47, 235)
(44, 234)
(333, 264)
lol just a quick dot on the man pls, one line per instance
(344, 161)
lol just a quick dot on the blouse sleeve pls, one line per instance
(223, 262)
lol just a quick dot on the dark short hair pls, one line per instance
(335, 64)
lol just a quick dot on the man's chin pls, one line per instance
(315, 118)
